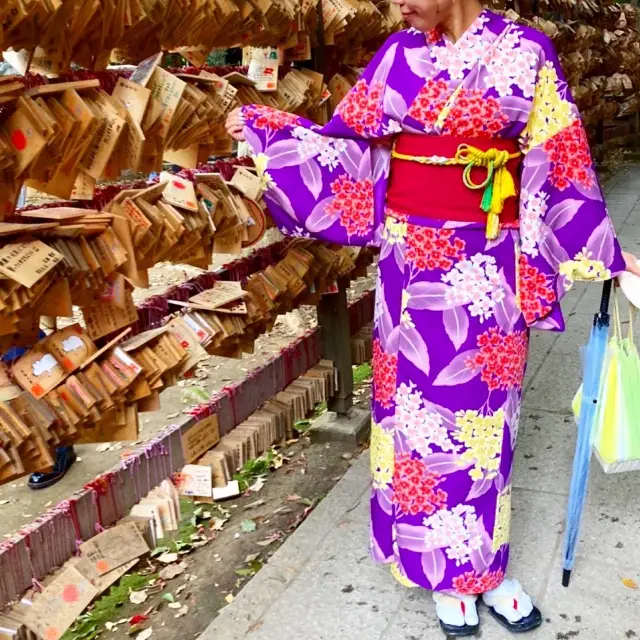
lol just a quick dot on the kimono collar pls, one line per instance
(438, 37)
(459, 57)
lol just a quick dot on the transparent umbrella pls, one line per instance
(594, 354)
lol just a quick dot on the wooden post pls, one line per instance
(333, 318)
(333, 310)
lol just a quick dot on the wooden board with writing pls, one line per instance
(57, 607)
(220, 294)
(113, 548)
(199, 438)
(27, 262)
(104, 318)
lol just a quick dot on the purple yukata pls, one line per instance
(453, 308)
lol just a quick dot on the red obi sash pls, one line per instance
(438, 190)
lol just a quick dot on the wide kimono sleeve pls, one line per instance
(330, 182)
(566, 233)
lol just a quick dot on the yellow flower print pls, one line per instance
(550, 114)
(407, 320)
(261, 160)
(405, 316)
(395, 231)
(482, 436)
(382, 460)
(399, 575)
(406, 296)
(583, 267)
(502, 528)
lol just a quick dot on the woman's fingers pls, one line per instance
(631, 263)
(235, 125)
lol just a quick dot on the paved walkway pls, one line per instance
(321, 584)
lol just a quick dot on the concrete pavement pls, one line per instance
(321, 584)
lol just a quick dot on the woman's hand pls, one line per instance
(235, 125)
(631, 263)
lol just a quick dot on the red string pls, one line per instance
(70, 508)
(98, 488)
(231, 392)
(27, 544)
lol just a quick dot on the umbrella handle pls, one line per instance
(603, 315)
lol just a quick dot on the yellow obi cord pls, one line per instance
(498, 185)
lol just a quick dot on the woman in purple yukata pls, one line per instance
(461, 155)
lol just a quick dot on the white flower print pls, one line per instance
(456, 530)
(510, 65)
(533, 210)
(464, 54)
(312, 145)
(421, 426)
(329, 157)
(298, 232)
(475, 282)
(391, 128)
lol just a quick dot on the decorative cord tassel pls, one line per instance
(493, 225)
(498, 185)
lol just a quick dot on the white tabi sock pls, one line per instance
(509, 600)
(456, 611)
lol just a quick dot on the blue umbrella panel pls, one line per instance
(593, 360)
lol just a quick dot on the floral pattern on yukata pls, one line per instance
(453, 311)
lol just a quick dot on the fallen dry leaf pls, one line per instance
(265, 543)
(168, 558)
(173, 571)
(229, 599)
(258, 485)
(138, 597)
(217, 524)
(253, 505)
(629, 583)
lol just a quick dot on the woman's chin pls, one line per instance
(415, 22)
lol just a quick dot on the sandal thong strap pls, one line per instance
(509, 601)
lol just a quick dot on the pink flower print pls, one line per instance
(429, 102)
(353, 203)
(385, 369)
(502, 358)
(430, 249)
(570, 156)
(361, 110)
(480, 117)
(474, 583)
(268, 118)
(536, 294)
(415, 487)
